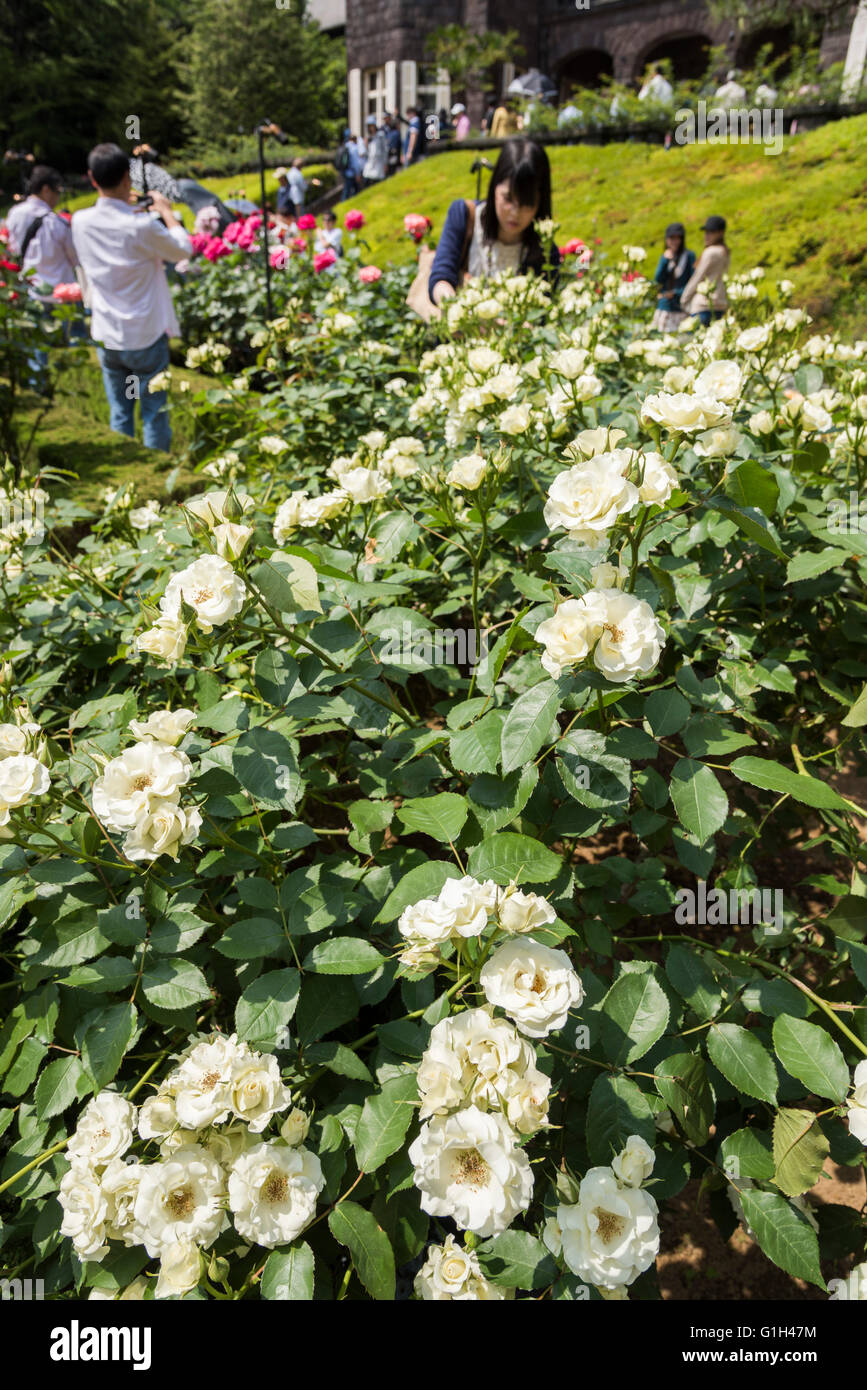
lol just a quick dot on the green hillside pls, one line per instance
(802, 214)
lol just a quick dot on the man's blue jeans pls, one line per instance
(125, 374)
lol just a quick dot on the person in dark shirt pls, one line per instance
(675, 267)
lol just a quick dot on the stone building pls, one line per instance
(576, 42)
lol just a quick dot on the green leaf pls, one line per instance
(784, 1234)
(811, 1055)
(848, 918)
(326, 1002)
(699, 800)
(681, 1080)
(508, 857)
(634, 1015)
(743, 1061)
(174, 984)
(811, 563)
(337, 1058)
(773, 777)
(666, 711)
(106, 1040)
(747, 1154)
(250, 938)
(616, 1109)
(753, 524)
(477, 747)
(424, 881)
(497, 801)
(288, 582)
(275, 674)
(594, 778)
(266, 1006)
(693, 980)
(266, 765)
(528, 724)
(288, 1274)
(517, 1260)
(59, 1085)
(344, 955)
(442, 817)
(369, 1247)
(857, 716)
(385, 1118)
(751, 485)
(800, 1150)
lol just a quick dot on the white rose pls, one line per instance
(461, 908)
(515, 420)
(504, 386)
(258, 1092)
(210, 587)
(519, 913)
(628, 638)
(467, 1166)
(181, 1198)
(288, 516)
(84, 1213)
(231, 539)
(21, 778)
(295, 1127)
(365, 484)
(158, 1117)
(603, 353)
(762, 422)
(119, 1183)
(815, 418)
(534, 984)
(14, 738)
(142, 518)
(477, 1059)
(167, 640)
(566, 637)
(634, 1164)
(569, 362)
(608, 576)
(163, 827)
(202, 1082)
(272, 444)
(857, 1103)
(753, 339)
(482, 360)
(467, 472)
(450, 1272)
(722, 380)
(180, 1269)
(678, 378)
(587, 499)
(211, 507)
(587, 388)
(611, 1235)
(163, 725)
(314, 510)
(685, 413)
(718, 444)
(147, 772)
(104, 1131)
(658, 479)
(588, 443)
(272, 1192)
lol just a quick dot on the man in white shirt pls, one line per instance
(121, 250)
(49, 252)
(657, 89)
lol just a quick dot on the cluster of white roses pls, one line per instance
(23, 773)
(610, 1235)
(138, 794)
(451, 1272)
(481, 1090)
(177, 1206)
(483, 302)
(209, 586)
(208, 354)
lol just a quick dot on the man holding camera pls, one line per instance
(121, 248)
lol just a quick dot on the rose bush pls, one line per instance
(358, 816)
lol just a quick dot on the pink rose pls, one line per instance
(279, 258)
(298, 244)
(306, 222)
(354, 220)
(198, 241)
(369, 274)
(323, 259)
(216, 248)
(572, 247)
(67, 294)
(233, 231)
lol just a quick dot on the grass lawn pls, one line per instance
(802, 214)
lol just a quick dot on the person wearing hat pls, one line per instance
(676, 265)
(713, 265)
(376, 163)
(462, 121)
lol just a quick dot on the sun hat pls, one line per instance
(458, 109)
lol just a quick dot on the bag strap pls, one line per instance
(468, 234)
(32, 229)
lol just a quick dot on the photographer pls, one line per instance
(121, 249)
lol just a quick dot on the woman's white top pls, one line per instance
(491, 258)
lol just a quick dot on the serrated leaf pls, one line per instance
(800, 1150)
(344, 955)
(369, 1247)
(616, 1109)
(174, 984)
(508, 858)
(528, 723)
(784, 1234)
(288, 1274)
(681, 1081)
(743, 1061)
(633, 1016)
(811, 1055)
(697, 797)
(106, 1040)
(266, 1006)
(693, 980)
(518, 1260)
(772, 776)
(442, 816)
(385, 1118)
(59, 1085)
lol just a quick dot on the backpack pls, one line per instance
(343, 160)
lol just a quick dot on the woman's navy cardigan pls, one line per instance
(447, 261)
(671, 300)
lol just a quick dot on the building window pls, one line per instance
(373, 89)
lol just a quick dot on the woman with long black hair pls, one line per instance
(672, 275)
(498, 234)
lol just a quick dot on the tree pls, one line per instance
(756, 14)
(467, 56)
(249, 60)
